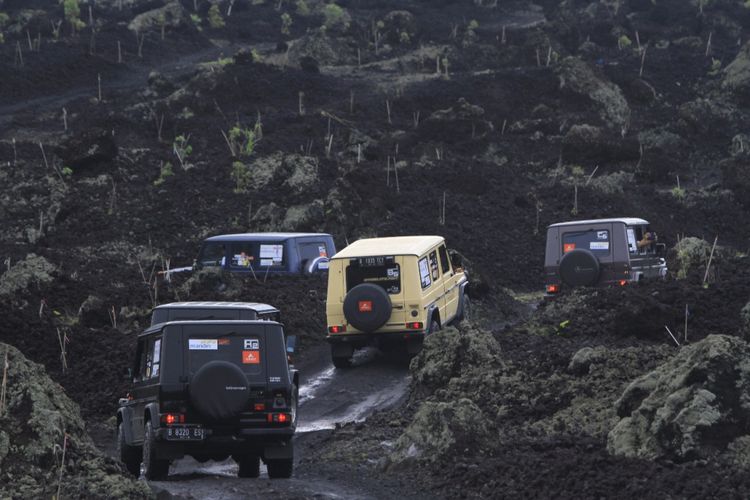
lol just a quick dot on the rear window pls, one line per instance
(595, 240)
(382, 271)
(257, 255)
(311, 251)
(245, 351)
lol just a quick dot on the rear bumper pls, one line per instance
(361, 339)
(268, 443)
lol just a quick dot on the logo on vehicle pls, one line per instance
(250, 357)
(365, 306)
(235, 388)
(580, 269)
(252, 344)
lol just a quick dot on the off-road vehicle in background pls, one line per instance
(182, 311)
(392, 290)
(602, 252)
(267, 253)
(210, 389)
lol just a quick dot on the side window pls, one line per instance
(251, 254)
(212, 254)
(311, 251)
(434, 266)
(444, 260)
(152, 359)
(594, 240)
(156, 358)
(632, 241)
(424, 273)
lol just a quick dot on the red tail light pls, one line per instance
(279, 418)
(553, 288)
(259, 406)
(173, 418)
(416, 325)
(337, 329)
(623, 282)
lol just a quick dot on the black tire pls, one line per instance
(154, 469)
(465, 310)
(579, 267)
(130, 456)
(209, 394)
(280, 469)
(342, 363)
(249, 466)
(376, 316)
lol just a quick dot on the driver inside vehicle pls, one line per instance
(649, 238)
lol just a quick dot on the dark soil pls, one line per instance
(111, 220)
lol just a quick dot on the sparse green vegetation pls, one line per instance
(73, 15)
(215, 20)
(304, 10)
(67, 171)
(678, 192)
(182, 149)
(624, 42)
(286, 23)
(164, 173)
(4, 19)
(715, 66)
(241, 176)
(196, 20)
(242, 141)
(334, 16)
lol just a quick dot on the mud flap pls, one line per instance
(276, 451)
(342, 350)
(414, 344)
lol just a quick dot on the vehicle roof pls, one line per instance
(263, 236)
(161, 326)
(394, 245)
(628, 221)
(255, 306)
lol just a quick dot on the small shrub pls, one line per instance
(678, 193)
(241, 176)
(73, 14)
(334, 15)
(304, 10)
(715, 66)
(286, 23)
(4, 19)
(182, 149)
(624, 42)
(242, 140)
(214, 17)
(67, 171)
(196, 20)
(164, 173)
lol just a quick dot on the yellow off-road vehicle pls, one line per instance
(390, 291)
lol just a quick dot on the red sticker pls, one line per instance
(567, 247)
(250, 357)
(225, 341)
(365, 306)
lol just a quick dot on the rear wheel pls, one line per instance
(249, 466)
(129, 455)
(278, 469)
(339, 362)
(342, 358)
(153, 468)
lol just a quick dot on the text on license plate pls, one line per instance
(185, 433)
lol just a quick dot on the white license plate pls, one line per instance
(185, 433)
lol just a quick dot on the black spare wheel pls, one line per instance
(219, 390)
(367, 307)
(579, 267)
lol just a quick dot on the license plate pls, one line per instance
(185, 433)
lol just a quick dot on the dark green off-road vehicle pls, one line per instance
(210, 389)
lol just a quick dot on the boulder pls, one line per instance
(172, 15)
(737, 73)
(582, 360)
(37, 423)
(711, 117)
(93, 313)
(87, 149)
(691, 407)
(33, 270)
(579, 78)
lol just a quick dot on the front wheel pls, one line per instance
(129, 455)
(153, 468)
(280, 469)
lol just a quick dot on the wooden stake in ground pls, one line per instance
(5, 383)
(62, 465)
(673, 337)
(710, 258)
(302, 104)
(643, 60)
(63, 339)
(686, 321)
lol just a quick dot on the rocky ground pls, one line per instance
(140, 127)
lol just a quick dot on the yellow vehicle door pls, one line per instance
(451, 282)
(431, 281)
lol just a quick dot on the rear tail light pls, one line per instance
(337, 329)
(173, 418)
(623, 282)
(279, 418)
(259, 406)
(416, 325)
(553, 288)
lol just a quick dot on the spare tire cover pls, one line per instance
(367, 307)
(579, 267)
(219, 390)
